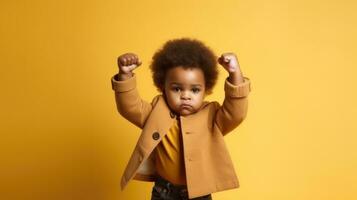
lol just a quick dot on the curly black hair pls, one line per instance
(188, 53)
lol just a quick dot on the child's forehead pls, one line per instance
(181, 75)
(179, 71)
(185, 69)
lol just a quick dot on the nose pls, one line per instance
(185, 96)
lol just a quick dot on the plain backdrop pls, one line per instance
(61, 137)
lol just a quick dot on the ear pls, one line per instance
(208, 92)
(163, 92)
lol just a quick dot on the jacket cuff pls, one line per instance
(123, 86)
(240, 90)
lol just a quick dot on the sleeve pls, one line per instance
(235, 105)
(129, 103)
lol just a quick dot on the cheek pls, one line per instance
(201, 99)
(171, 98)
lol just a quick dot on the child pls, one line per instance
(181, 146)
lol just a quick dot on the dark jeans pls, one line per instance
(164, 190)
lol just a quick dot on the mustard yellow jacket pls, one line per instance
(208, 165)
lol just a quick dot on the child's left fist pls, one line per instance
(229, 61)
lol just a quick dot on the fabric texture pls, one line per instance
(169, 160)
(165, 190)
(206, 157)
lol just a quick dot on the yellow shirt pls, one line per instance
(169, 156)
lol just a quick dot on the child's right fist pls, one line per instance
(128, 62)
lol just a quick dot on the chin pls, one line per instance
(186, 112)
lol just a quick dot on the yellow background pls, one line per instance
(62, 138)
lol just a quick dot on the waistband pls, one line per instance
(170, 186)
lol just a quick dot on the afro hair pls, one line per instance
(187, 53)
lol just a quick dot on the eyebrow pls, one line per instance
(195, 85)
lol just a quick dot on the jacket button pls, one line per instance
(155, 136)
(172, 115)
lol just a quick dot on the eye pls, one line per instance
(196, 90)
(176, 89)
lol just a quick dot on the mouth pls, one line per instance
(186, 106)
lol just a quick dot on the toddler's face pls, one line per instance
(184, 90)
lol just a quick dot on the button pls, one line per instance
(155, 136)
(172, 115)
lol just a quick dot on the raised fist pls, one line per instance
(128, 62)
(229, 61)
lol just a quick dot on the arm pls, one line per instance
(235, 105)
(128, 101)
